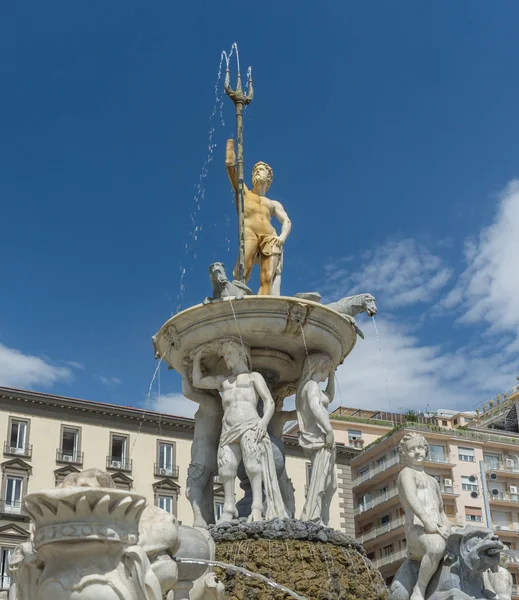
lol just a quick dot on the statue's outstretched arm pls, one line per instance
(281, 215)
(207, 382)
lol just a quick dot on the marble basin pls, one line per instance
(280, 330)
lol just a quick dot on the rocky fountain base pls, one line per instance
(316, 562)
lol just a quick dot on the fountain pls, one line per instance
(240, 356)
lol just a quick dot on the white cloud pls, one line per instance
(21, 370)
(417, 375)
(110, 381)
(404, 272)
(488, 289)
(75, 365)
(173, 404)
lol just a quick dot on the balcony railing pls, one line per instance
(508, 465)
(375, 501)
(504, 497)
(390, 558)
(23, 450)
(381, 529)
(358, 443)
(5, 582)
(74, 458)
(166, 471)
(8, 507)
(370, 473)
(118, 464)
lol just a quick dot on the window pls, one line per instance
(354, 434)
(444, 423)
(466, 454)
(166, 503)
(380, 462)
(218, 510)
(455, 422)
(69, 445)
(473, 514)
(384, 519)
(5, 579)
(363, 473)
(437, 453)
(166, 456)
(308, 473)
(118, 458)
(492, 461)
(17, 437)
(13, 495)
(467, 484)
(387, 550)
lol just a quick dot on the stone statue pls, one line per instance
(469, 570)
(204, 449)
(244, 432)
(353, 305)
(426, 524)
(316, 435)
(349, 307)
(277, 424)
(222, 287)
(91, 541)
(262, 244)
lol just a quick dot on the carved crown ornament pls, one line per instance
(66, 514)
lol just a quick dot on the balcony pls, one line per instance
(171, 471)
(504, 497)
(515, 590)
(381, 498)
(117, 463)
(8, 507)
(74, 458)
(508, 466)
(373, 472)
(448, 491)
(358, 443)
(394, 557)
(381, 530)
(23, 450)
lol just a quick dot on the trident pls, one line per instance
(240, 99)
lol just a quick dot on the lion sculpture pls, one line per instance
(222, 287)
(469, 571)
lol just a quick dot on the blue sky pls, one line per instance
(392, 129)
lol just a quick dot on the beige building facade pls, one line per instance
(46, 437)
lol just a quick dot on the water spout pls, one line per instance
(243, 571)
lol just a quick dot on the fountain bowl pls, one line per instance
(279, 330)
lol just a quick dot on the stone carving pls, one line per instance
(92, 541)
(244, 432)
(426, 524)
(222, 287)
(316, 435)
(262, 244)
(353, 305)
(297, 316)
(204, 449)
(469, 570)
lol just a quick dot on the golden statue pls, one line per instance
(262, 243)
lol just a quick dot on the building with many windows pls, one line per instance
(47, 437)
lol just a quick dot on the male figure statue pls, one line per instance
(426, 524)
(244, 433)
(203, 466)
(262, 244)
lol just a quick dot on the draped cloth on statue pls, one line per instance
(323, 474)
(263, 452)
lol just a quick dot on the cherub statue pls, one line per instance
(316, 435)
(262, 244)
(426, 525)
(244, 432)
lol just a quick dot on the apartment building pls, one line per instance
(47, 437)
